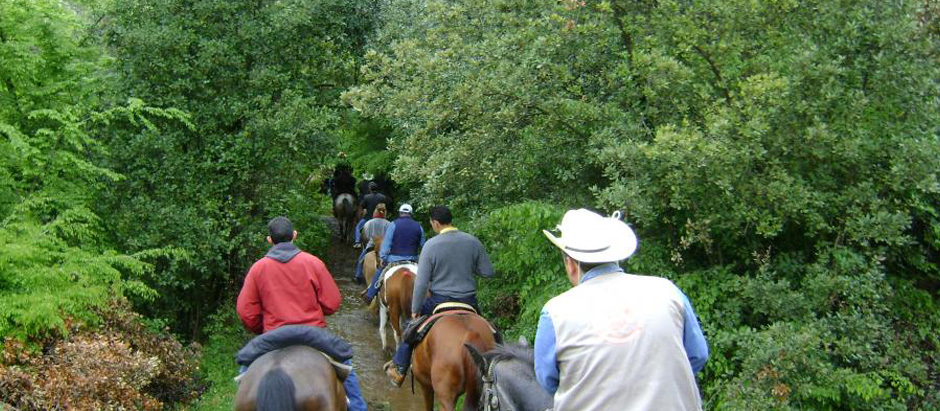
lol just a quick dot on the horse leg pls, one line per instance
(428, 397)
(445, 383)
(394, 316)
(383, 320)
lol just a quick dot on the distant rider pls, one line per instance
(403, 238)
(374, 231)
(367, 205)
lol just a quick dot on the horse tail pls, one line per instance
(275, 392)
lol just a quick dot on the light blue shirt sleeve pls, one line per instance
(387, 243)
(696, 348)
(546, 363)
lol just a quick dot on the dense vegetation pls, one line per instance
(779, 161)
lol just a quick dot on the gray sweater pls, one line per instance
(447, 265)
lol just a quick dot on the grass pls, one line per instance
(226, 337)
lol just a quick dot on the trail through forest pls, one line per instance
(357, 325)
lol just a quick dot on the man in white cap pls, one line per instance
(403, 238)
(615, 341)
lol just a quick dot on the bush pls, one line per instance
(528, 267)
(120, 364)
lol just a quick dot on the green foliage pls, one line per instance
(226, 337)
(529, 269)
(260, 80)
(820, 335)
(55, 262)
(779, 160)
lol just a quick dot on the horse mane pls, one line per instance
(511, 352)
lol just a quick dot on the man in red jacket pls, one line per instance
(290, 287)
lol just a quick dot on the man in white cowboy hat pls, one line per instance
(615, 340)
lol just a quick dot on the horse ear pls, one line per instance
(477, 357)
(523, 341)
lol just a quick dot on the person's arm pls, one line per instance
(387, 242)
(421, 229)
(422, 281)
(696, 348)
(248, 305)
(484, 266)
(546, 361)
(328, 295)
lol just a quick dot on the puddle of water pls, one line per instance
(357, 325)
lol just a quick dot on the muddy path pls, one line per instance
(359, 326)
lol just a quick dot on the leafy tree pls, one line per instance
(56, 263)
(260, 79)
(779, 159)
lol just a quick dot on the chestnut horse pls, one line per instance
(395, 301)
(442, 365)
(292, 378)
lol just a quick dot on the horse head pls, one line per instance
(509, 382)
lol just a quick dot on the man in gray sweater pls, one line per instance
(446, 268)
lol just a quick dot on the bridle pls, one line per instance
(490, 395)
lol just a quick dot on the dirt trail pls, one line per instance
(360, 327)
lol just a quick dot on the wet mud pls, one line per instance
(359, 326)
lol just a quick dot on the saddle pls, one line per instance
(419, 328)
(335, 349)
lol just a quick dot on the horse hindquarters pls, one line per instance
(444, 367)
(400, 288)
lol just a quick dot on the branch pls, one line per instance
(625, 37)
(715, 71)
(538, 108)
(8, 82)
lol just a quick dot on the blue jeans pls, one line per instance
(353, 394)
(402, 357)
(359, 261)
(358, 234)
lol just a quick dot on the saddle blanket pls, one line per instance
(394, 269)
(418, 329)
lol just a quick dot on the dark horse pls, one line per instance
(344, 209)
(444, 368)
(292, 378)
(509, 379)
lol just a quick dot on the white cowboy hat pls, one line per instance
(405, 208)
(592, 238)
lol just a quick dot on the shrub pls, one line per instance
(120, 364)
(528, 267)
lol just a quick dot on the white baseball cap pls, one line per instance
(592, 238)
(405, 208)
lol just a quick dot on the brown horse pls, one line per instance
(443, 366)
(292, 378)
(395, 301)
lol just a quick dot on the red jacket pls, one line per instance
(299, 291)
